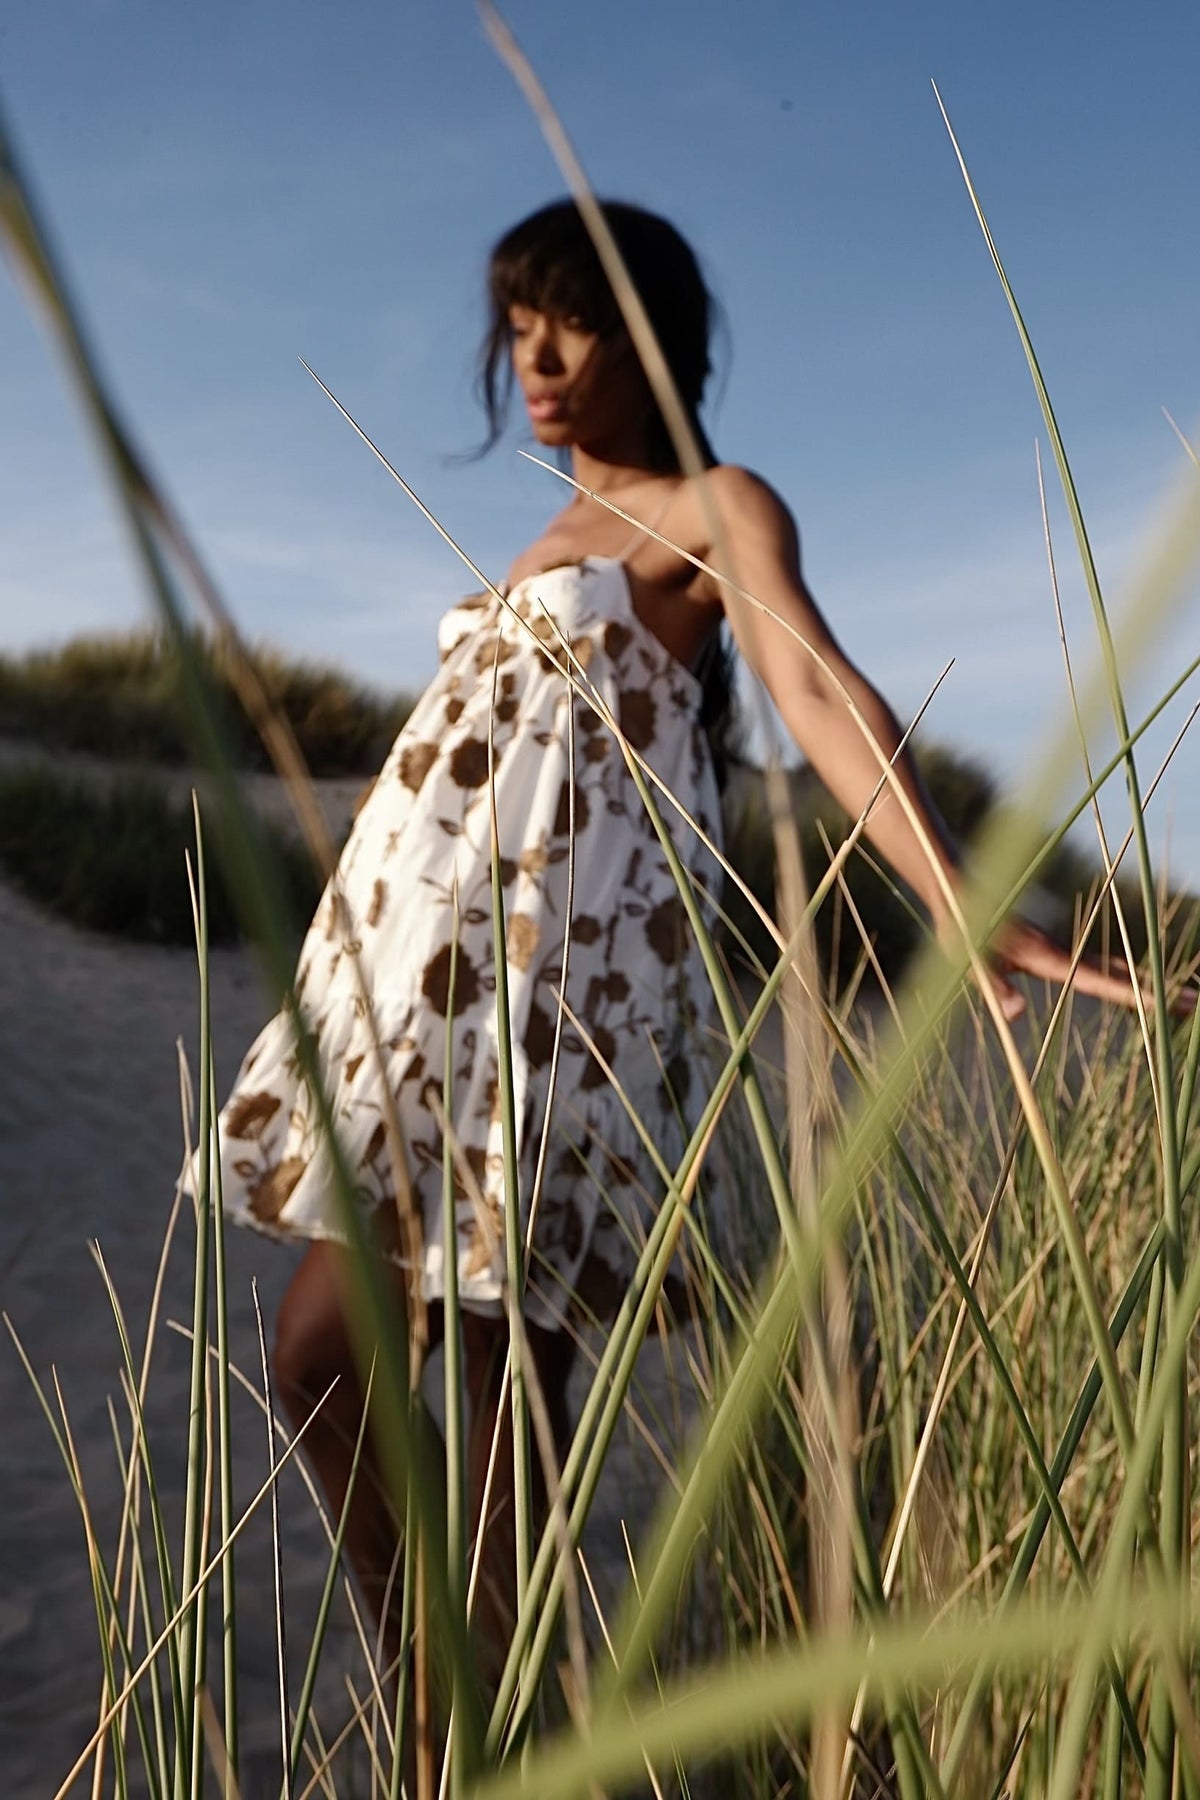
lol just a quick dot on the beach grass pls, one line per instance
(109, 857)
(119, 696)
(928, 1491)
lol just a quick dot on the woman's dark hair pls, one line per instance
(549, 264)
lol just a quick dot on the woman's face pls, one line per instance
(578, 388)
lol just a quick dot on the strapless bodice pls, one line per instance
(577, 601)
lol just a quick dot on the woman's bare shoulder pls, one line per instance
(750, 512)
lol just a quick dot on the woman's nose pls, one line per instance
(546, 357)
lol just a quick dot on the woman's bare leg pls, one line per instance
(313, 1350)
(485, 1342)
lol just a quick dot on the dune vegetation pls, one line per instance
(119, 697)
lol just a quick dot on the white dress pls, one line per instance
(420, 857)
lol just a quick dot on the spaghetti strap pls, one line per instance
(638, 536)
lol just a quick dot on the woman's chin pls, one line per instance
(553, 434)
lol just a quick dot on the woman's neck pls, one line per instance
(611, 470)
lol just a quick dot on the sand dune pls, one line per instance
(90, 1146)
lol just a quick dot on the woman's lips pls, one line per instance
(543, 407)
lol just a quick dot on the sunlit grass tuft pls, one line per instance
(108, 856)
(119, 697)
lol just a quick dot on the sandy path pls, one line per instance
(90, 1145)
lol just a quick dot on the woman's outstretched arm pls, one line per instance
(833, 713)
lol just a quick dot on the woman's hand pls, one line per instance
(1019, 948)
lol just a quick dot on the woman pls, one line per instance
(410, 921)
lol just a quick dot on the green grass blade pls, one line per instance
(304, 1699)
(454, 1362)
(180, 1700)
(721, 1707)
(276, 1548)
(407, 1615)
(1176, 1472)
(212, 1175)
(107, 1606)
(157, 1759)
(191, 1635)
(514, 1248)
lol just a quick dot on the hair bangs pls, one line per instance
(554, 272)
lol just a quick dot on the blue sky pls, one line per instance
(233, 187)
